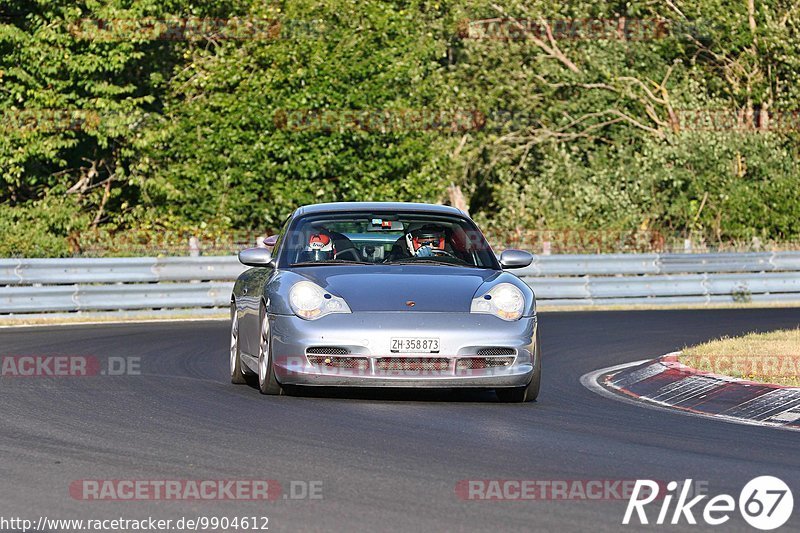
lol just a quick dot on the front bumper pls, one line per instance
(367, 337)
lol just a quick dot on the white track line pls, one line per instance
(113, 322)
(589, 380)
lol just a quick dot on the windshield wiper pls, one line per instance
(331, 262)
(428, 262)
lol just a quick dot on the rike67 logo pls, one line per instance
(765, 503)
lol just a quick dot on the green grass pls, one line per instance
(772, 357)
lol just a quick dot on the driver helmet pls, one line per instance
(320, 247)
(428, 236)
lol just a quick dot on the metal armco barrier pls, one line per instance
(200, 283)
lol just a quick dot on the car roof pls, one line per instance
(342, 207)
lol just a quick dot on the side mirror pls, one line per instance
(515, 259)
(256, 257)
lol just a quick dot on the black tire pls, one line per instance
(267, 382)
(235, 356)
(530, 392)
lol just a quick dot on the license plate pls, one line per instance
(415, 344)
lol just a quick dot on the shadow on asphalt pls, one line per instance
(396, 394)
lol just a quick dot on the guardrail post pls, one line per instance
(194, 247)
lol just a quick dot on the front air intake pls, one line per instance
(479, 363)
(495, 351)
(331, 361)
(327, 350)
(412, 364)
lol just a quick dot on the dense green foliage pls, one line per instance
(106, 135)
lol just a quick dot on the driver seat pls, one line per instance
(345, 246)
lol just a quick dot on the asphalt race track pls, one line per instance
(387, 460)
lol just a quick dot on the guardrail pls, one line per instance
(633, 279)
(200, 283)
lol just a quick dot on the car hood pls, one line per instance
(431, 288)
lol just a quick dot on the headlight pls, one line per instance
(310, 301)
(504, 301)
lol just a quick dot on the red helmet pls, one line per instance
(319, 248)
(431, 236)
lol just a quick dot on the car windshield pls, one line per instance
(367, 238)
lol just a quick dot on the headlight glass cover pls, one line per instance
(504, 300)
(310, 301)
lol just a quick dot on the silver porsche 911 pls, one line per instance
(384, 295)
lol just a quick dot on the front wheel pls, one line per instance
(520, 394)
(267, 382)
(235, 358)
(529, 392)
